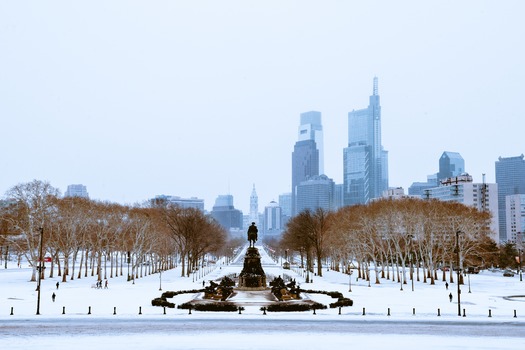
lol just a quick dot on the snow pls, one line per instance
(115, 322)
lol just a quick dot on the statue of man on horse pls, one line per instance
(252, 234)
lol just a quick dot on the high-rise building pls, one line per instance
(254, 207)
(451, 164)
(272, 219)
(365, 167)
(510, 177)
(316, 192)
(312, 129)
(515, 210)
(462, 189)
(225, 213)
(76, 191)
(305, 163)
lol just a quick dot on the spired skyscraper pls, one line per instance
(365, 168)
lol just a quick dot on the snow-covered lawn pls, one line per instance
(116, 321)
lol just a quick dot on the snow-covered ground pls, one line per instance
(115, 321)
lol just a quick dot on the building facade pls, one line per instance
(226, 215)
(273, 224)
(305, 164)
(515, 217)
(510, 177)
(462, 189)
(312, 129)
(76, 191)
(192, 202)
(365, 167)
(316, 192)
(451, 164)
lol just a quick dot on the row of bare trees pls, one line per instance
(392, 233)
(86, 237)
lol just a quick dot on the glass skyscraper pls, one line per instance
(305, 164)
(365, 161)
(510, 177)
(451, 164)
(312, 129)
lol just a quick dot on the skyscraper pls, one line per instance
(305, 163)
(307, 157)
(316, 192)
(365, 168)
(312, 129)
(451, 164)
(510, 177)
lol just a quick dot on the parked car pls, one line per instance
(508, 273)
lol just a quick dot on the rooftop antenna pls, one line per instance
(375, 87)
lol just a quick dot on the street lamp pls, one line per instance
(350, 280)
(39, 268)
(458, 271)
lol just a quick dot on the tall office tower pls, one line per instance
(510, 177)
(305, 163)
(225, 213)
(451, 164)
(316, 192)
(285, 202)
(76, 191)
(311, 129)
(272, 219)
(365, 167)
(254, 207)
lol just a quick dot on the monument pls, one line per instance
(252, 276)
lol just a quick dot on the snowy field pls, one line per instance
(383, 316)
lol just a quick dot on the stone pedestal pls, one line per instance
(252, 276)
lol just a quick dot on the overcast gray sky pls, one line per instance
(201, 98)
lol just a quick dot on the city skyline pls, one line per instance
(202, 99)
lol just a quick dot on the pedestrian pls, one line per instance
(58, 284)
(446, 285)
(53, 296)
(203, 283)
(106, 285)
(450, 297)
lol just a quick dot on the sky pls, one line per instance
(135, 99)
(115, 323)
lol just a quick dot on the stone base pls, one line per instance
(252, 274)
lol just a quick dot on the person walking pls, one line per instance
(58, 284)
(106, 285)
(450, 297)
(53, 296)
(446, 285)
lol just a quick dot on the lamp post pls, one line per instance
(39, 268)
(519, 258)
(468, 277)
(350, 280)
(458, 272)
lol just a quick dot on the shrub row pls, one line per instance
(341, 300)
(291, 307)
(229, 307)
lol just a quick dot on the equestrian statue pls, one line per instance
(252, 234)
